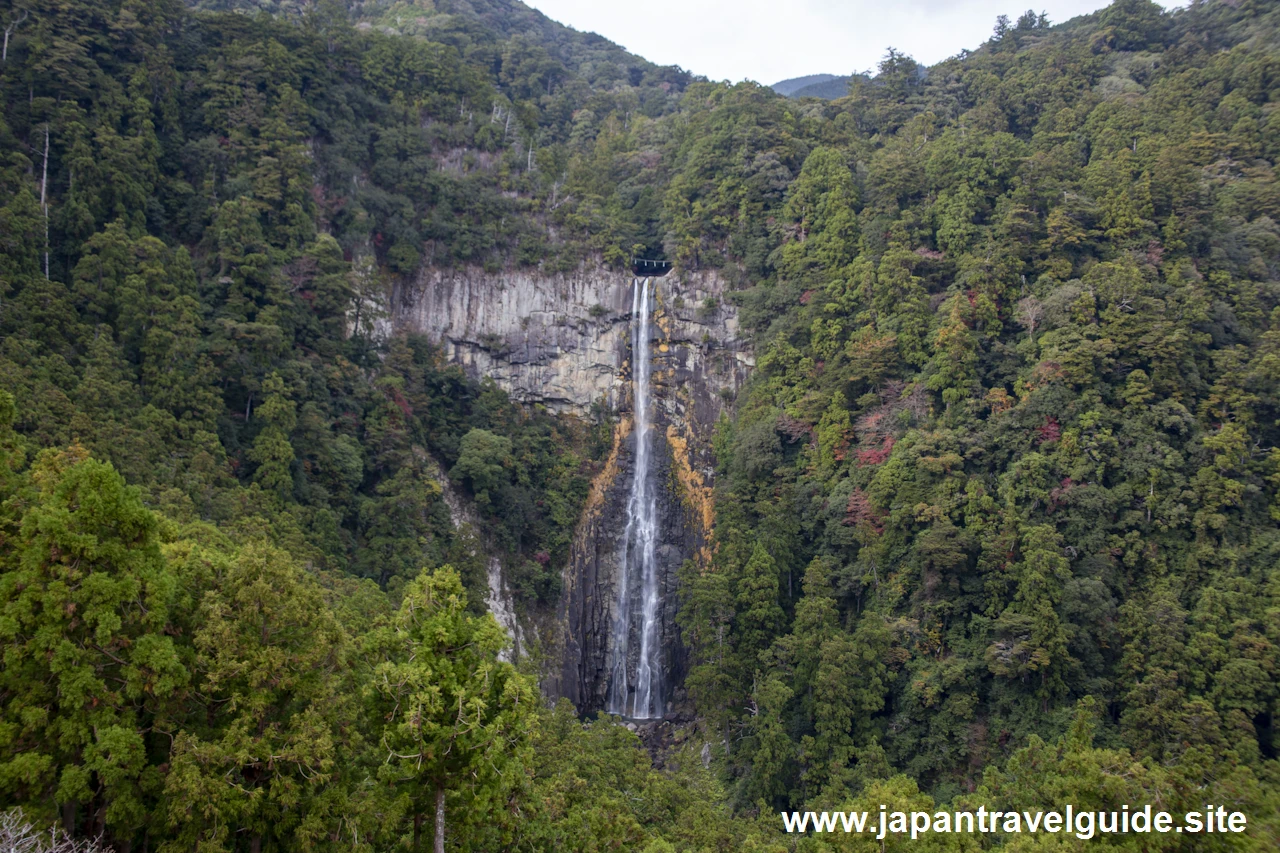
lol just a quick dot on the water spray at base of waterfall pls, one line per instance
(639, 548)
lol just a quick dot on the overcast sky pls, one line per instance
(772, 40)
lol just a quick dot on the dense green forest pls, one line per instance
(998, 514)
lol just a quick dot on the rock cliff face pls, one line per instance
(564, 341)
(498, 599)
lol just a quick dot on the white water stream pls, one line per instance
(639, 607)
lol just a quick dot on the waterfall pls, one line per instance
(638, 609)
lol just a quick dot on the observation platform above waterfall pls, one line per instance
(650, 268)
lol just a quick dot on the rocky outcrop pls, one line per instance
(563, 341)
(466, 521)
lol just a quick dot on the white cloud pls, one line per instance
(770, 40)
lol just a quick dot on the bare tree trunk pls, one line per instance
(44, 206)
(13, 25)
(439, 845)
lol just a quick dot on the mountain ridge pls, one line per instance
(793, 84)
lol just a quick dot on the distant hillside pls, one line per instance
(827, 90)
(795, 84)
(825, 86)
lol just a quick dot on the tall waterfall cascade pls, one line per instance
(637, 616)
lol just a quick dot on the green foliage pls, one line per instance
(1014, 409)
(1008, 457)
(758, 616)
(454, 716)
(197, 306)
(89, 675)
(483, 460)
(265, 738)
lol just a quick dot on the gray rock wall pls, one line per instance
(564, 341)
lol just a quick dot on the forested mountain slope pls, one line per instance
(1011, 440)
(1006, 473)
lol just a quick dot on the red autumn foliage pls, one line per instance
(873, 422)
(1058, 492)
(401, 403)
(876, 455)
(1049, 430)
(860, 513)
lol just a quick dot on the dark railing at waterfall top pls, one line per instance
(648, 267)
